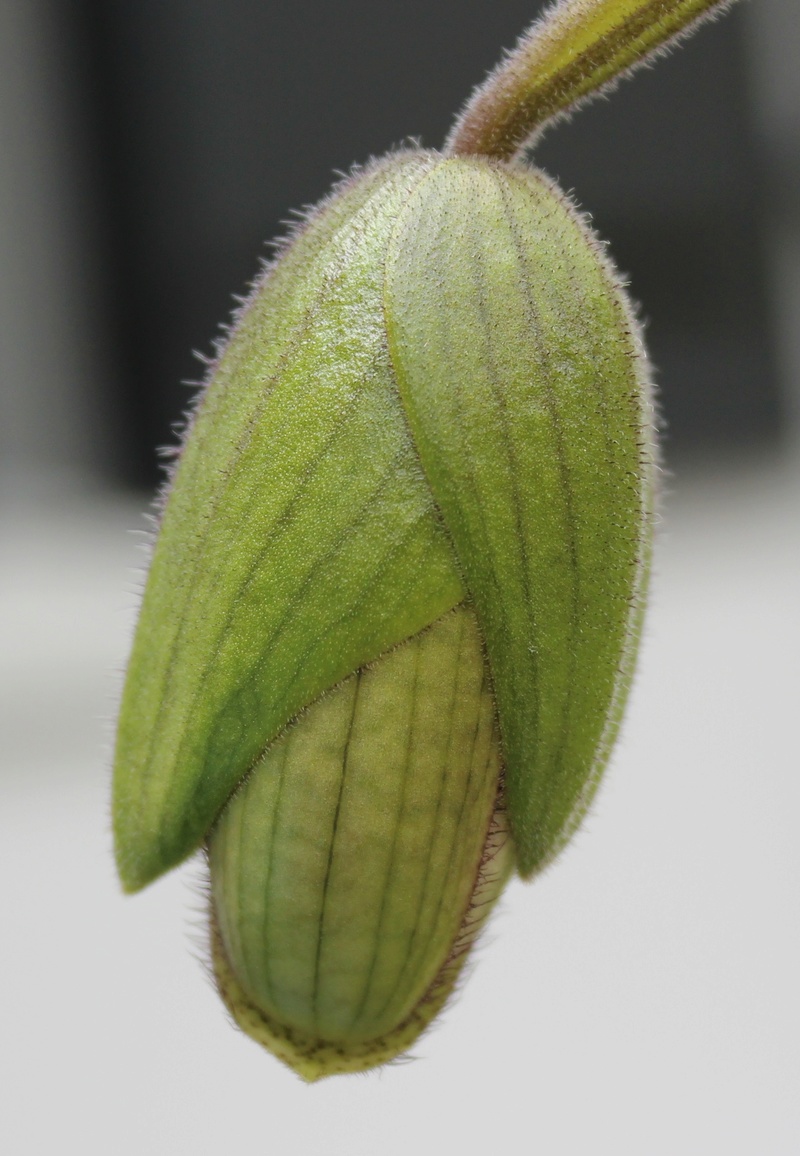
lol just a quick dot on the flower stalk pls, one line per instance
(575, 50)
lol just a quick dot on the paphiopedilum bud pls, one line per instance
(392, 609)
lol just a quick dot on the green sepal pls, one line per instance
(520, 372)
(299, 540)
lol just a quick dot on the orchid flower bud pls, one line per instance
(393, 606)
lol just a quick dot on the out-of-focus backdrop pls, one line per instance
(642, 997)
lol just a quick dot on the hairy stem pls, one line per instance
(573, 51)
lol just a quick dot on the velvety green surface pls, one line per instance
(299, 540)
(437, 393)
(342, 870)
(515, 360)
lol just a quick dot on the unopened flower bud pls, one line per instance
(392, 610)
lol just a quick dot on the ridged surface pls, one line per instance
(521, 377)
(343, 869)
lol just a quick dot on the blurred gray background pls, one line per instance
(642, 997)
(151, 149)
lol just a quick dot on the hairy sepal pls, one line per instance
(522, 378)
(299, 540)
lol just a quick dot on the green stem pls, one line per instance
(570, 53)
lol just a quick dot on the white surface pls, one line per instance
(641, 998)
